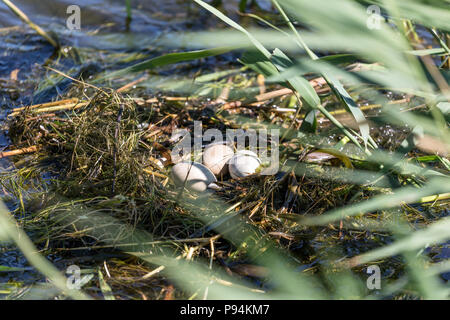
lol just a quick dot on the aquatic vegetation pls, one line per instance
(363, 175)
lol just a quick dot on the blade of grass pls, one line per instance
(299, 86)
(32, 25)
(167, 59)
(8, 228)
(334, 84)
(106, 289)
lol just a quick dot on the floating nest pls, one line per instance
(108, 148)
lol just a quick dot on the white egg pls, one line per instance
(243, 163)
(193, 175)
(216, 157)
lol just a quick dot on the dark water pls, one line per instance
(146, 14)
(150, 18)
(103, 24)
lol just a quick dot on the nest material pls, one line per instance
(98, 148)
(102, 150)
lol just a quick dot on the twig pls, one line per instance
(49, 115)
(155, 173)
(53, 109)
(18, 152)
(131, 84)
(73, 79)
(157, 242)
(65, 107)
(434, 198)
(48, 104)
